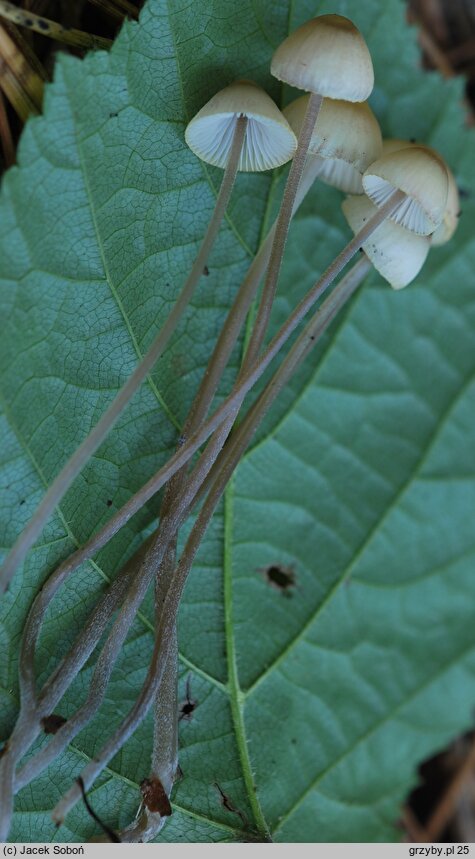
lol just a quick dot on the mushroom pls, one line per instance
(345, 141)
(446, 229)
(328, 57)
(422, 175)
(268, 140)
(396, 253)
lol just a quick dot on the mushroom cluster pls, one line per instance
(338, 137)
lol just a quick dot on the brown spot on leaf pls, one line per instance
(155, 797)
(51, 724)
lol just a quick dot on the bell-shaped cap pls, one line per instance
(446, 229)
(422, 176)
(346, 136)
(395, 252)
(269, 140)
(327, 55)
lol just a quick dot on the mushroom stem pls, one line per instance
(72, 662)
(164, 635)
(226, 410)
(282, 229)
(230, 333)
(239, 440)
(97, 435)
(232, 403)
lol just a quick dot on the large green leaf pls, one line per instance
(313, 711)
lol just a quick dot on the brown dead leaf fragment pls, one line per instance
(52, 723)
(155, 797)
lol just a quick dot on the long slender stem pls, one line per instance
(233, 401)
(87, 448)
(281, 232)
(72, 662)
(231, 328)
(226, 342)
(100, 680)
(134, 596)
(164, 638)
(219, 475)
(164, 763)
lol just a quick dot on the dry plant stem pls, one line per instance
(232, 402)
(165, 634)
(68, 36)
(8, 147)
(117, 8)
(281, 231)
(87, 448)
(445, 807)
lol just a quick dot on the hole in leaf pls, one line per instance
(280, 577)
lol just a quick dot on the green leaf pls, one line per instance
(313, 710)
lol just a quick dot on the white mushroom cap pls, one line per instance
(422, 175)
(327, 55)
(346, 136)
(269, 140)
(395, 252)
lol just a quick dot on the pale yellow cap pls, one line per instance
(421, 174)
(269, 140)
(396, 253)
(346, 136)
(446, 229)
(327, 55)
